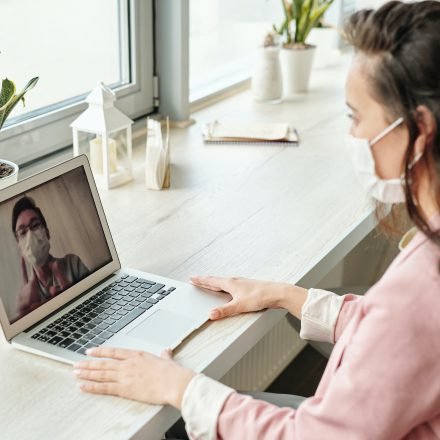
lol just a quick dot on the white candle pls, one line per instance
(97, 156)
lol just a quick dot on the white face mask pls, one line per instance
(384, 190)
(35, 247)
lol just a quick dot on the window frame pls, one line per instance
(31, 138)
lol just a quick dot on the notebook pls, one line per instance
(63, 289)
(250, 133)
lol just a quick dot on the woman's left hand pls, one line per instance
(134, 375)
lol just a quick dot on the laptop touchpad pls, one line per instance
(163, 328)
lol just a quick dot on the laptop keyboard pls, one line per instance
(101, 316)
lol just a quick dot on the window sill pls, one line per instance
(209, 96)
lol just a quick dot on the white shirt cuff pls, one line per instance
(319, 315)
(202, 403)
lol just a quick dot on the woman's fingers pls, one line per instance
(100, 388)
(167, 354)
(97, 365)
(112, 353)
(229, 309)
(97, 375)
(202, 282)
(211, 282)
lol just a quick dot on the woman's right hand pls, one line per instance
(248, 295)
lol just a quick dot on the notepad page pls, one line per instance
(270, 132)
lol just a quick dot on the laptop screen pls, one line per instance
(51, 238)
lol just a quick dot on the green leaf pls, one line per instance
(7, 92)
(9, 100)
(296, 13)
(304, 20)
(316, 15)
(6, 95)
(296, 8)
(287, 11)
(305, 13)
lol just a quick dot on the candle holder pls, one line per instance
(103, 133)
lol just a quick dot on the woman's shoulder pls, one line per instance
(412, 283)
(422, 259)
(418, 258)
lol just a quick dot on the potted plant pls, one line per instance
(8, 100)
(300, 16)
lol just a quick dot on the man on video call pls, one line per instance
(49, 275)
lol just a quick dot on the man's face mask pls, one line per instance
(384, 190)
(34, 246)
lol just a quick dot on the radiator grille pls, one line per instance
(264, 362)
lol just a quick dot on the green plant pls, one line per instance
(9, 99)
(305, 14)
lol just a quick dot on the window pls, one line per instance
(71, 46)
(224, 36)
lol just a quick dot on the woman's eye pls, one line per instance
(353, 118)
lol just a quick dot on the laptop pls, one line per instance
(63, 289)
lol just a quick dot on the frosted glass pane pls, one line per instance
(70, 45)
(224, 36)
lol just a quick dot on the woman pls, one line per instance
(381, 380)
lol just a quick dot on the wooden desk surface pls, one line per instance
(267, 212)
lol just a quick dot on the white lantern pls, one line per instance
(104, 134)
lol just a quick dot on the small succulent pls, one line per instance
(271, 39)
(9, 99)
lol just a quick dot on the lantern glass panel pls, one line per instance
(123, 151)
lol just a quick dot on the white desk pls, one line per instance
(280, 213)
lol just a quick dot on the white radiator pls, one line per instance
(264, 362)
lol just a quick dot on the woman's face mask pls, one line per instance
(384, 190)
(34, 246)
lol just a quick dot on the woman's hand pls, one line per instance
(252, 295)
(134, 375)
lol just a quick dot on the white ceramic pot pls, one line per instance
(12, 178)
(267, 85)
(296, 65)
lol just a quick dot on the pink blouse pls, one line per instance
(382, 380)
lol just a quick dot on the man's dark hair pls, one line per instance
(24, 204)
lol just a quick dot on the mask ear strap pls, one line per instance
(415, 160)
(386, 131)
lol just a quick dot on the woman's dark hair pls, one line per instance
(404, 40)
(24, 204)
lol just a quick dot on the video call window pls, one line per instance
(51, 238)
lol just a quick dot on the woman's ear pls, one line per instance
(427, 127)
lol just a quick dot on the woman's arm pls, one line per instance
(385, 386)
(370, 396)
(323, 314)
(253, 295)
